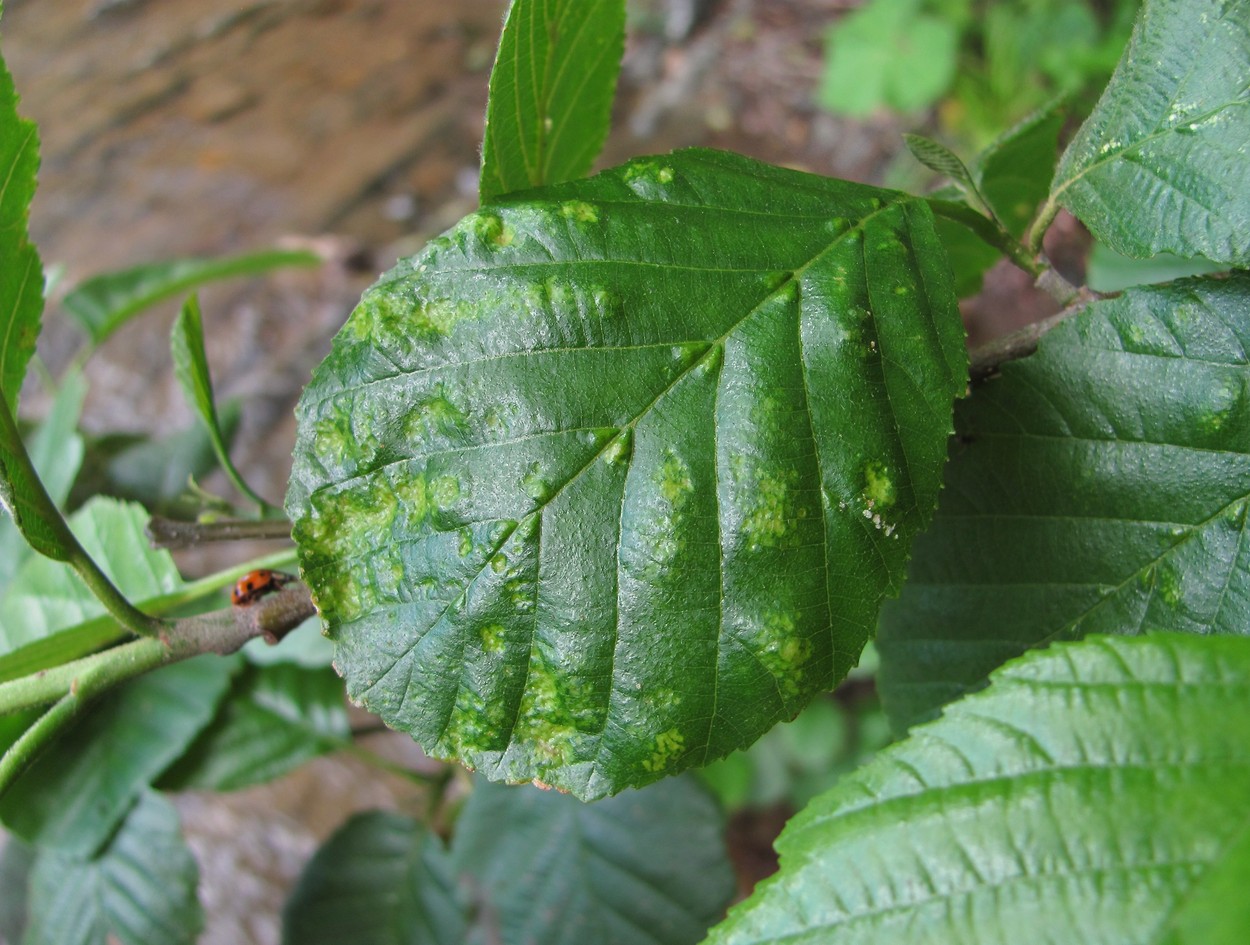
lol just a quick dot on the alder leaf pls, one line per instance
(1161, 165)
(1100, 485)
(615, 475)
(551, 91)
(1095, 792)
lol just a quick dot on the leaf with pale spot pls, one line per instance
(614, 476)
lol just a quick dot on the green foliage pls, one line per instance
(77, 792)
(550, 870)
(277, 718)
(1059, 801)
(550, 92)
(21, 275)
(889, 54)
(382, 879)
(647, 566)
(103, 303)
(1122, 443)
(984, 63)
(1161, 164)
(46, 599)
(191, 368)
(617, 473)
(140, 889)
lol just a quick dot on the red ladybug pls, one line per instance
(256, 584)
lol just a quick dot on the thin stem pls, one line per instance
(990, 231)
(221, 632)
(1037, 232)
(32, 741)
(173, 534)
(124, 612)
(84, 638)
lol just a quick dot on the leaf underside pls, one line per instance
(1098, 486)
(614, 476)
(1095, 792)
(1162, 164)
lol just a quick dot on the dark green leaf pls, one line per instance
(382, 879)
(1096, 792)
(550, 92)
(275, 719)
(1100, 485)
(80, 788)
(21, 272)
(1108, 271)
(938, 157)
(1161, 165)
(56, 450)
(139, 890)
(613, 477)
(970, 256)
(104, 303)
(888, 54)
(1013, 174)
(46, 596)
(645, 868)
(24, 498)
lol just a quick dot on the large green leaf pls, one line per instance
(1096, 792)
(139, 890)
(104, 303)
(1161, 164)
(644, 868)
(1100, 485)
(382, 879)
(47, 596)
(550, 92)
(21, 272)
(276, 718)
(79, 789)
(614, 477)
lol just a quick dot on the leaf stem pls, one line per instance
(173, 534)
(990, 231)
(123, 611)
(1037, 232)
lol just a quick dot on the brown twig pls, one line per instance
(985, 360)
(172, 534)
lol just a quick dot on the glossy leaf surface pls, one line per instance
(104, 303)
(139, 890)
(1161, 165)
(550, 92)
(382, 879)
(646, 867)
(613, 477)
(1095, 792)
(80, 788)
(21, 275)
(1100, 485)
